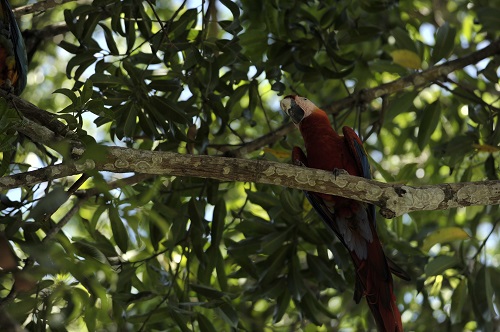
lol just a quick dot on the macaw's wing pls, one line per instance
(356, 148)
(327, 213)
(13, 59)
(357, 151)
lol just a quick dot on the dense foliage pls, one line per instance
(205, 77)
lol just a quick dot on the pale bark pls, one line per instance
(394, 199)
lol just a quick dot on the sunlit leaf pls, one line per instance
(407, 59)
(440, 264)
(444, 235)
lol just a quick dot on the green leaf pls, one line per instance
(295, 280)
(407, 172)
(444, 235)
(86, 249)
(407, 59)
(129, 127)
(100, 78)
(204, 323)
(445, 42)
(119, 231)
(87, 91)
(282, 304)
(325, 273)
(49, 203)
(232, 6)
(291, 201)
(490, 168)
(90, 25)
(274, 241)
(403, 40)
(313, 309)
(82, 61)
(229, 314)
(96, 106)
(266, 200)
(221, 271)
(253, 95)
(489, 18)
(168, 109)
(185, 22)
(252, 225)
(208, 292)
(483, 294)
(440, 264)
(490, 71)
(235, 10)
(358, 35)
(165, 84)
(8, 116)
(145, 24)
(70, 94)
(274, 265)
(428, 123)
(110, 41)
(375, 6)
(180, 318)
(243, 247)
(218, 218)
(458, 300)
(70, 48)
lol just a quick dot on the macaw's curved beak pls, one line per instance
(290, 107)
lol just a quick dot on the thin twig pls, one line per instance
(483, 244)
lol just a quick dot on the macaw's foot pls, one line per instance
(339, 171)
(297, 162)
(7, 86)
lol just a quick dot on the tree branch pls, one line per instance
(394, 199)
(417, 79)
(40, 6)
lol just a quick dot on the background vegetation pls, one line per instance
(205, 77)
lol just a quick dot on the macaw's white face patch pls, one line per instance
(297, 107)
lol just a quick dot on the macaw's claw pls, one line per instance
(339, 171)
(298, 163)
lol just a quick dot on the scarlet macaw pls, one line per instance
(13, 59)
(352, 221)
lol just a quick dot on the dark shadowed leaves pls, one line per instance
(428, 123)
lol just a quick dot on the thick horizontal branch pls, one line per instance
(394, 200)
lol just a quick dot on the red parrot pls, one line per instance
(352, 221)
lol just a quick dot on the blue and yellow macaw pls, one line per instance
(13, 59)
(352, 221)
